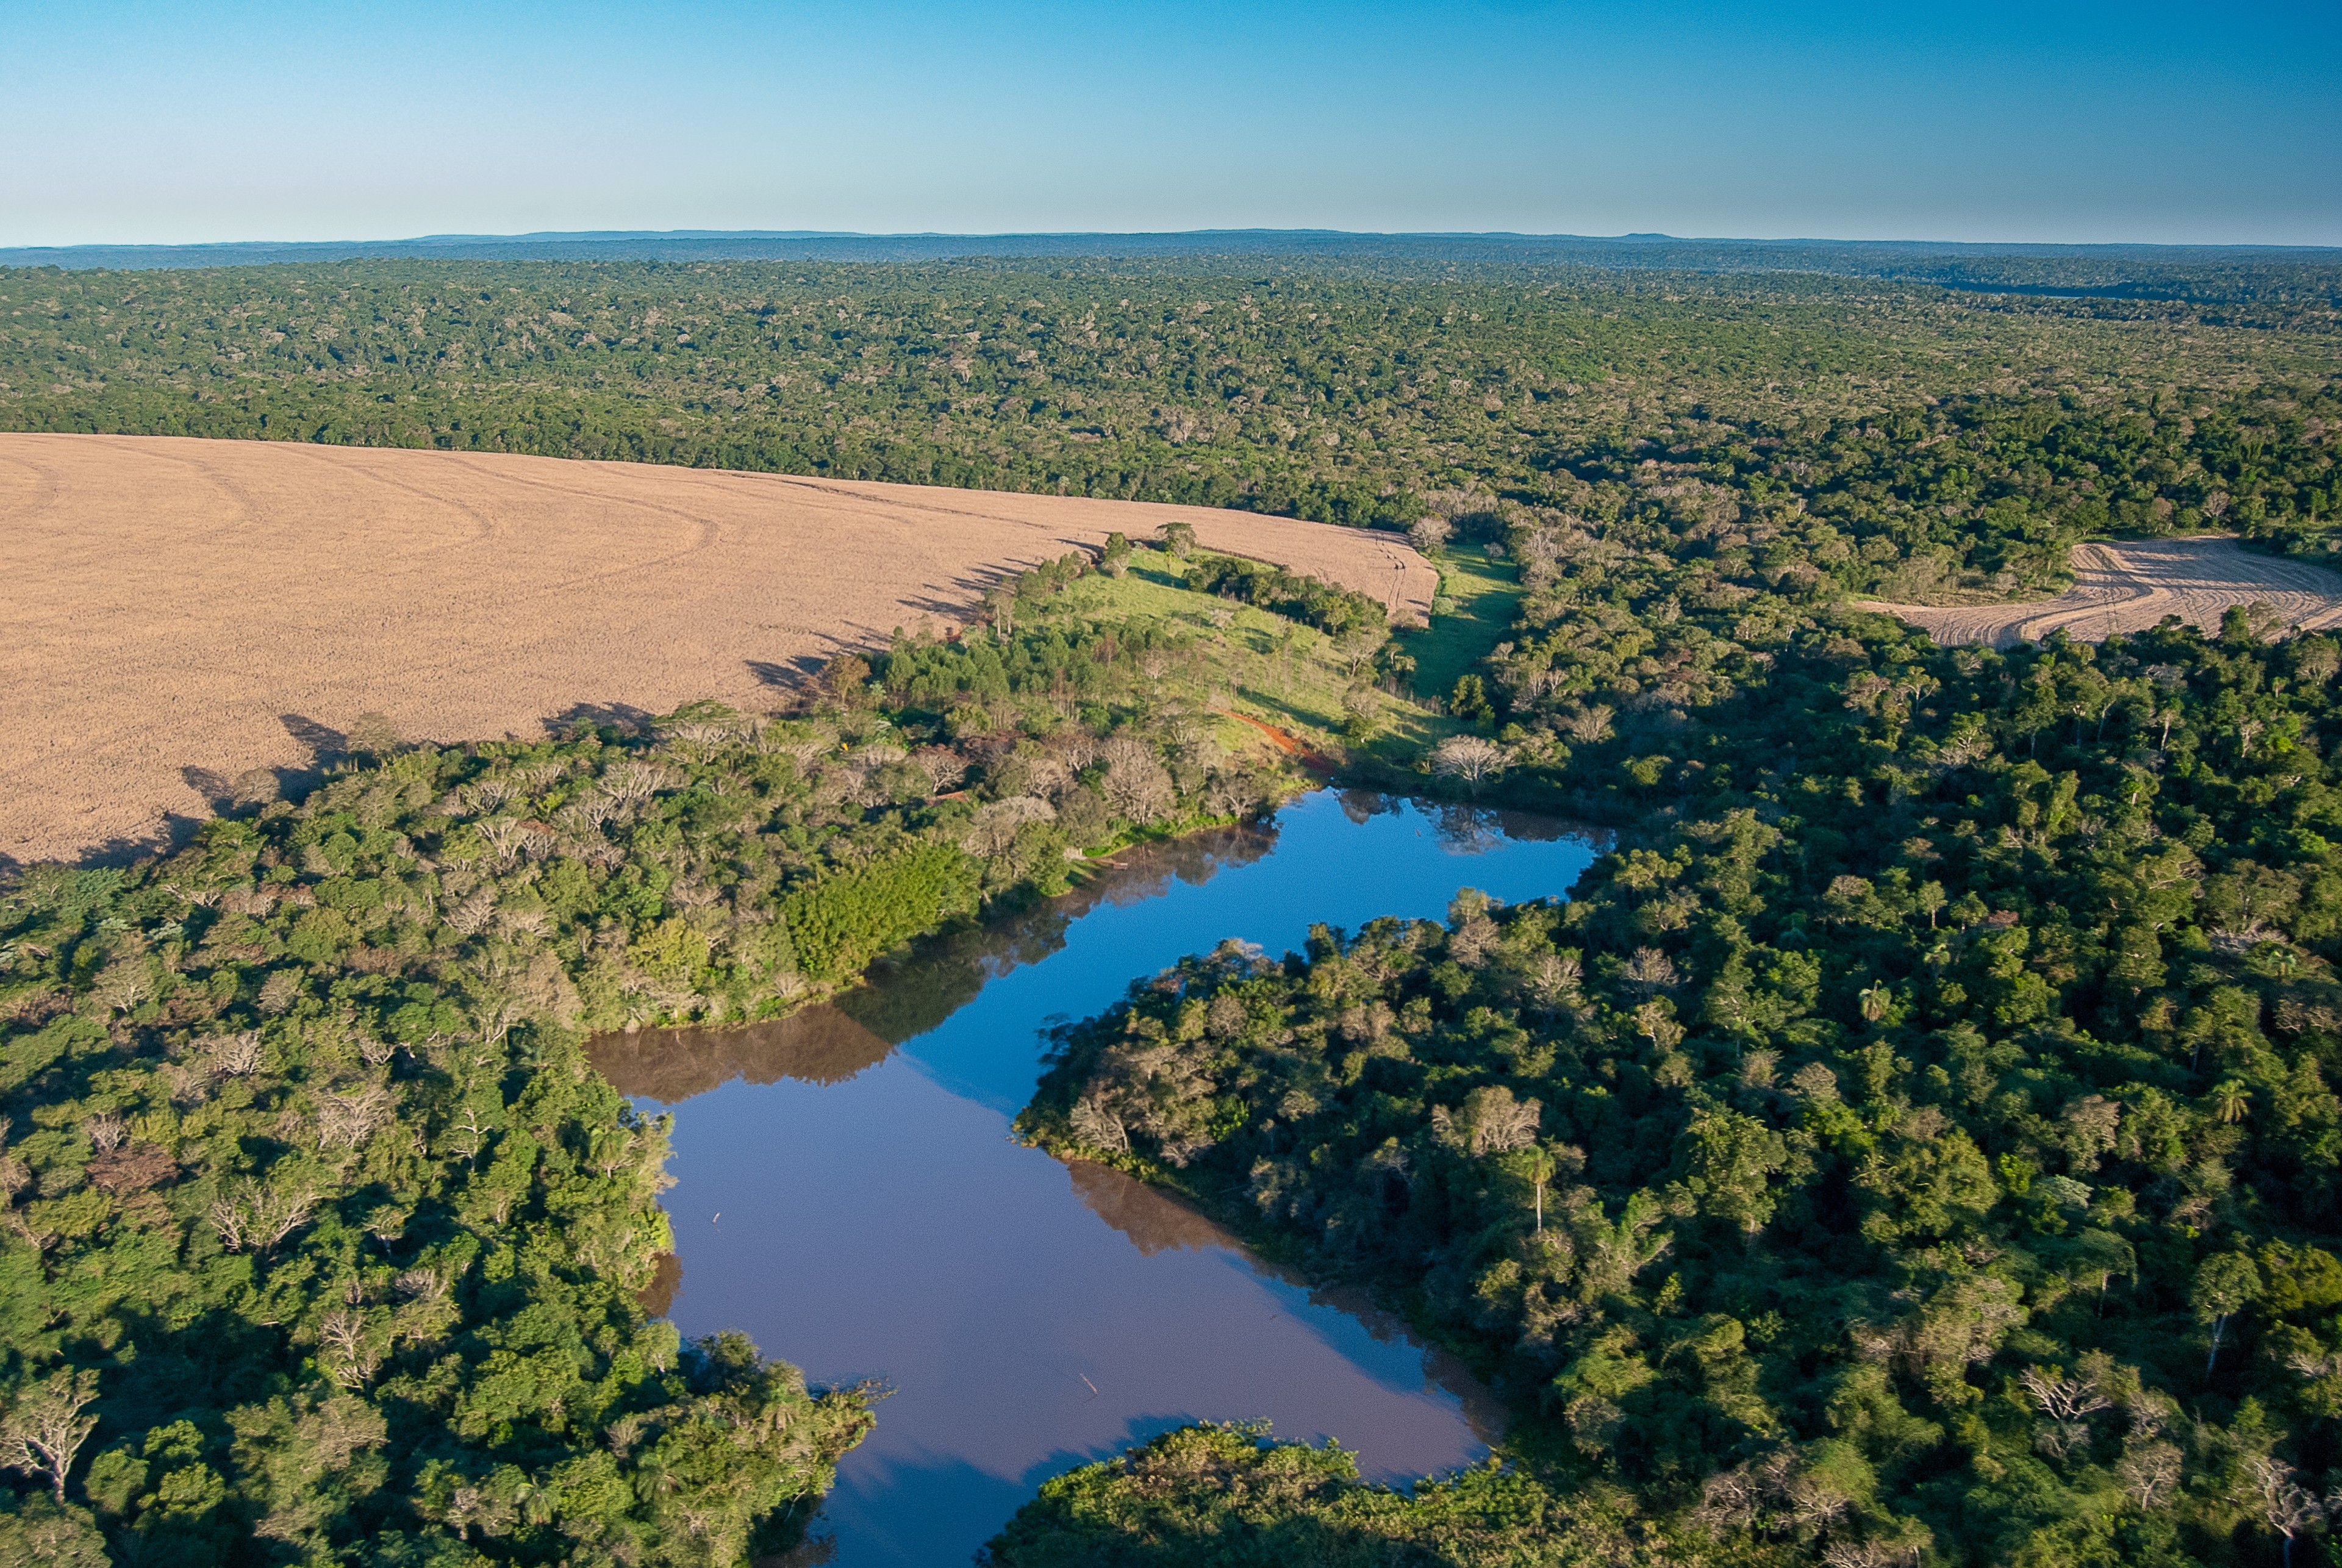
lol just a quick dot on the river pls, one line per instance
(848, 1192)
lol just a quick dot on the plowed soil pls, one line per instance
(2129, 587)
(180, 612)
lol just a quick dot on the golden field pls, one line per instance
(181, 613)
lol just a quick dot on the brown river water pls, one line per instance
(849, 1193)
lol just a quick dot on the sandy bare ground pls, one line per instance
(2129, 587)
(181, 612)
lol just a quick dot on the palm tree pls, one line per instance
(2233, 1100)
(1540, 1173)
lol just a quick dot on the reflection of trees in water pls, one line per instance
(1530, 827)
(811, 1553)
(667, 1278)
(1466, 829)
(816, 1044)
(1158, 1222)
(912, 993)
(1146, 870)
(917, 990)
(1462, 828)
(1475, 829)
(1155, 1221)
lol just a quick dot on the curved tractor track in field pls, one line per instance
(2132, 587)
(181, 613)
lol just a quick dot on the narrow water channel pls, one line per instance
(848, 1194)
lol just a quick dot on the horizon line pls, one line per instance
(612, 237)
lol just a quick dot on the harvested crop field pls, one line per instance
(182, 612)
(2129, 587)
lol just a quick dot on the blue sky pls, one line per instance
(193, 121)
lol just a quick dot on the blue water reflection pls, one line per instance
(848, 1193)
(1339, 859)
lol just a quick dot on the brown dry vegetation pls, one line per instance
(2129, 587)
(184, 612)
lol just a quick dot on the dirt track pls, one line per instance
(2129, 587)
(181, 612)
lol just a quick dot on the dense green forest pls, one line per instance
(2221, 284)
(1911, 1146)
(323, 1241)
(1907, 439)
(1914, 1142)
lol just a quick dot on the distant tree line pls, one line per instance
(1952, 441)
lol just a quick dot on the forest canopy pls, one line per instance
(320, 1238)
(1912, 438)
(1912, 1144)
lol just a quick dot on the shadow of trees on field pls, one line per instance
(255, 786)
(368, 735)
(324, 743)
(789, 675)
(625, 717)
(217, 790)
(223, 796)
(173, 831)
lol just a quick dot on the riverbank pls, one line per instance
(820, 1194)
(314, 1081)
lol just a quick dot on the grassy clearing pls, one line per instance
(1484, 595)
(1259, 663)
(1486, 592)
(1262, 664)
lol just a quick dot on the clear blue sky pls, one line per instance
(196, 121)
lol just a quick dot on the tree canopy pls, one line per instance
(1919, 439)
(1912, 1139)
(324, 1241)
(1910, 1144)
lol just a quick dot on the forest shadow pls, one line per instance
(906, 1511)
(1286, 709)
(624, 717)
(217, 790)
(174, 832)
(324, 743)
(955, 611)
(789, 675)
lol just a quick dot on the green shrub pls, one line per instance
(843, 920)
